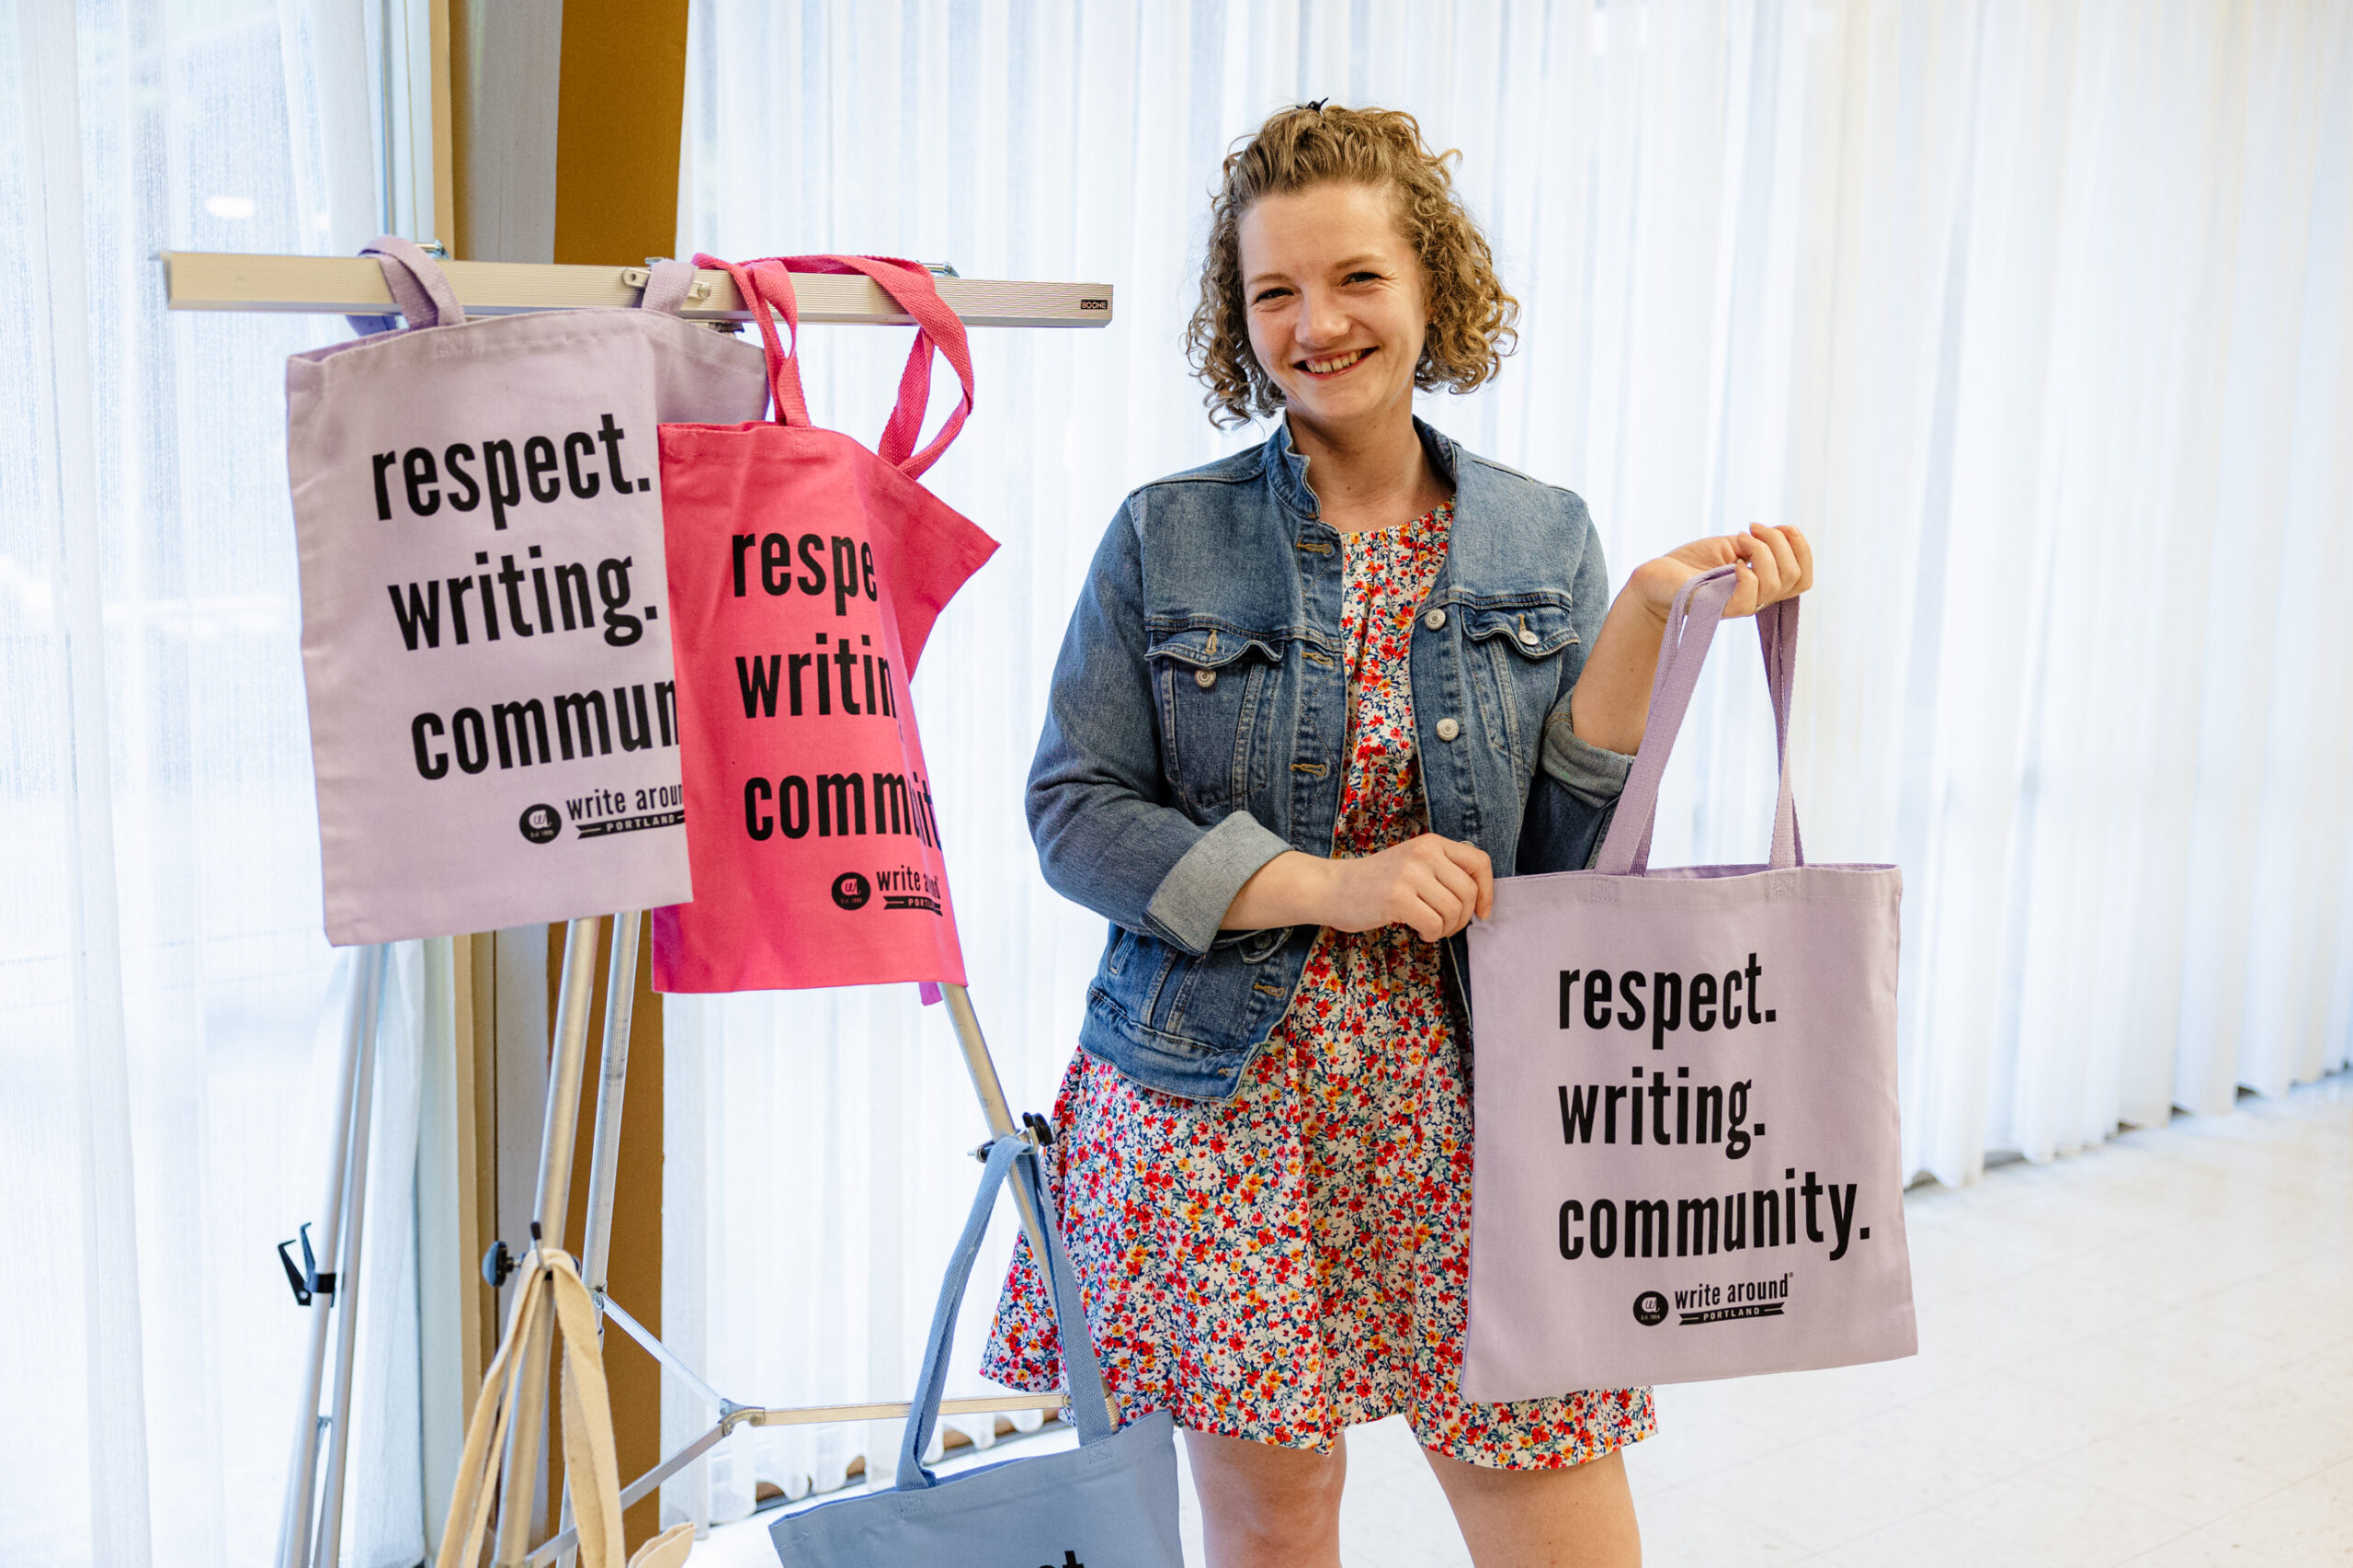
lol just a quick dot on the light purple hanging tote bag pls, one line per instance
(1688, 1163)
(493, 726)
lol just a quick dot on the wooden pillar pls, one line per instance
(565, 119)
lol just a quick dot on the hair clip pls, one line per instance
(1317, 106)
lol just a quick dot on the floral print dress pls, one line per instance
(1293, 1261)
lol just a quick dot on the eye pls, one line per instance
(1363, 277)
(1262, 295)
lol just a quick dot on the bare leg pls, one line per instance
(1580, 1518)
(1265, 1507)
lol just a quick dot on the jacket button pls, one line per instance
(1205, 678)
(1447, 729)
(1434, 619)
(1527, 638)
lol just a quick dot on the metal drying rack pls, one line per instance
(312, 1526)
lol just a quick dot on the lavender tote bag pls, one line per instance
(492, 731)
(1110, 1503)
(1688, 1163)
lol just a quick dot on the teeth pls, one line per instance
(1325, 366)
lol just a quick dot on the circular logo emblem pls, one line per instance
(1650, 1308)
(851, 891)
(540, 824)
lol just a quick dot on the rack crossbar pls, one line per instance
(332, 285)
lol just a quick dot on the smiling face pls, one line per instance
(1335, 305)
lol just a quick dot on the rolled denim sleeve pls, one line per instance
(1592, 774)
(1100, 810)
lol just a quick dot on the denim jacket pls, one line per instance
(1198, 724)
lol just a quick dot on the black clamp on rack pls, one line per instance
(306, 1281)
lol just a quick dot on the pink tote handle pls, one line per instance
(938, 330)
(784, 371)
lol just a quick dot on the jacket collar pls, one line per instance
(1287, 466)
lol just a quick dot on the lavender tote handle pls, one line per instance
(418, 287)
(1691, 624)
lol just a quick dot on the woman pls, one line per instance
(1313, 698)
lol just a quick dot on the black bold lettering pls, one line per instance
(743, 543)
(467, 495)
(1602, 1238)
(498, 476)
(812, 564)
(642, 737)
(1630, 991)
(1667, 1008)
(1572, 1245)
(579, 445)
(384, 460)
(756, 676)
(1732, 999)
(420, 616)
(837, 793)
(612, 436)
(621, 629)
(845, 573)
(757, 824)
(471, 739)
(1703, 1002)
(1569, 996)
(429, 764)
(571, 589)
(1597, 984)
(792, 806)
(1576, 1112)
(539, 462)
(1694, 1216)
(422, 481)
(507, 718)
(573, 711)
(866, 571)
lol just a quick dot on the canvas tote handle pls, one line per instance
(1691, 624)
(420, 291)
(1082, 1376)
(591, 1464)
(938, 330)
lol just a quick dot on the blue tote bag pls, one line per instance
(1110, 1503)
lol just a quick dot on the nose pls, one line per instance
(1322, 318)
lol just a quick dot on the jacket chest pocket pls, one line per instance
(1213, 688)
(1514, 649)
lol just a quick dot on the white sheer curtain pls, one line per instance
(167, 1027)
(2038, 318)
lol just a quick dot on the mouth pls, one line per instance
(1338, 365)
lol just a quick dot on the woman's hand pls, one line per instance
(1774, 564)
(1434, 885)
(1610, 706)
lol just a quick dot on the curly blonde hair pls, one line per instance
(1471, 318)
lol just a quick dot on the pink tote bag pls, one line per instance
(1688, 1161)
(805, 573)
(484, 634)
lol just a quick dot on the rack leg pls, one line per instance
(605, 1143)
(518, 1496)
(991, 1090)
(328, 1549)
(612, 1091)
(302, 1474)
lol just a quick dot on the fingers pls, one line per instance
(1473, 860)
(1788, 579)
(1802, 547)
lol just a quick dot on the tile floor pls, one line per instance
(2142, 1354)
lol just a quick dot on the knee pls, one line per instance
(1262, 1505)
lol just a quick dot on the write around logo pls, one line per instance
(851, 891)
(1650, 1308)
(603, 812)
(540, 824)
